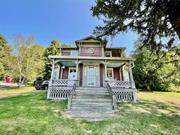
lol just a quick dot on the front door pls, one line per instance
(91, 76)
(72, 74)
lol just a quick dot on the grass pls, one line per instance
(15, 91)
(31, 114)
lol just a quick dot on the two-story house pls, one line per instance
(91, 64)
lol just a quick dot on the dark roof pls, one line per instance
(90, 37)
(122, 48)
(68, 47)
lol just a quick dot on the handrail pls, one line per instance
(114, 101)
(121, 91)
(71, 96)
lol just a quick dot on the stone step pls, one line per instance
(91, 97)
(91, 88)
(91, 100)
(91, 103)
(90, 115)
(91, 109)
(91, 92)
(86, 112)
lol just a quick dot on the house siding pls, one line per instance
(116, 53)
(97, 51)
(121, 72)
(116, 73)
(101, 74)
(65, 73)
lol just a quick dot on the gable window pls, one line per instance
(108, 54)
(110, 73)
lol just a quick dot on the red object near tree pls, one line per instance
(8, 79)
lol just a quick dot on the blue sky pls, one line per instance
(45, 20)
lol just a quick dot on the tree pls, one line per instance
(53, 49)
(27, 60)
(151, 73)
(35, 55)
(5, 52)
(154, 20)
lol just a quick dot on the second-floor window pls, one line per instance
(108, 54)
(70, 53)
(74, 53)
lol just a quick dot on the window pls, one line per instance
(74, 53)
(108, 53)
(72, 74)
(65, 53)
(109, 73)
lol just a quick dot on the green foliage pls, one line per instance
(154, 73)
(5, 51)
(24, 63)
(53, 49)
(153, 20)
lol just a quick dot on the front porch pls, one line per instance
(92, 72)
(114, 75)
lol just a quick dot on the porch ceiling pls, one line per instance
(67, 63)
(113, 65)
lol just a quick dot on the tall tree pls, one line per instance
(53, 49)
(154, 20)
(152, 73)
(5, 52)
(27, 61)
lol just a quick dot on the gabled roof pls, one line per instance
(90, 39)
(113, 48)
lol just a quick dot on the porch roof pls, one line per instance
(91, 58)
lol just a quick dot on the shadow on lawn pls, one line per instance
(151, 107)
(152, 113)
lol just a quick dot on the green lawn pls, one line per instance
(15, 91)
(31, 114)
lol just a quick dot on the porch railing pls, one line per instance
(61, 88)
(122, 84)
(121, 91)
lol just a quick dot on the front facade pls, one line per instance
(91, 63)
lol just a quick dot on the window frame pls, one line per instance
(110, 53)
(112, 71)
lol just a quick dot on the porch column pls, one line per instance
(131, 76)
(105, 70)
(130, 73)
(132, 82)
(52, 72)
(77, 68)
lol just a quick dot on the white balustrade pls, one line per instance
(61, 88)
(122, 90)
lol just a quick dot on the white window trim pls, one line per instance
(110, 52)
(72, 69)
(111, 71)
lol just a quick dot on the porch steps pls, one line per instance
(92, 104)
